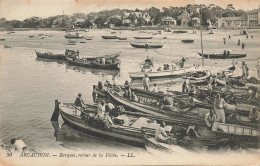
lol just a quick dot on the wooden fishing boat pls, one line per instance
(111, 62)
(148, 104)
(187, 41)
(122, 38)
(114, 32)
(74, 36)
(31, 35)
(155, 147)
(8, 46)
(177, 73)
(199, 77)
(110, 37)
(146, 65)
(211, 32)
(71, 42)
(2, 39)
(50, 55)
(221, 56)
(146, 45)
(88, 38)
(180, 31)
(10, 32)
(143, 37)
(236, 130)
(125, 129)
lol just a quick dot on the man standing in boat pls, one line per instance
(219, 105)
(210, 118)
(245, 69)
(160, 134)
(146, 82)
(146, 47)
(78, 101)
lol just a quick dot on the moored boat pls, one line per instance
(143, 37)
(50, 55)
(2, 39)
(155, 147)
(10, 32)
(221, 56)
(105, 62)
(146, 65)
(211, 32)
(8, 46)
(180, 31)
(110, 37)
(122, 38)
(187, 41)
(199, 77)
(74, 36)
(71, 42)
(177, 73)
(146, 45)
(125, 129)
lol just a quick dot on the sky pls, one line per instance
(21, 9)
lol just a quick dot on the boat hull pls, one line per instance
(145, 46)
(143, 37)
(114, 66)
(162, 74)
(187, 41)
(221, 56)
(117, 133)
(110, 37)
(46, 56)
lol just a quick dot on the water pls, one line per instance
(28, 87)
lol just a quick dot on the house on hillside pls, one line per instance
(79, 22)
(232, 22)
(117, 16)
(169, 21)
(183, 19)
(138, 14)
(147, 18)
(195, 21)
(194, 8)
(253, 17)
(125, 19)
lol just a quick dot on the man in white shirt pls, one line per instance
(101, 107)
(155, 88)
(146, 82)
(210, 118)
(219, 105)
(160, 134)
(18, 145)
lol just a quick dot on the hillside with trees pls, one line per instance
(118, 17)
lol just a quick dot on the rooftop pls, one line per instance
(233, 18)
(254, 11)
(167, 18)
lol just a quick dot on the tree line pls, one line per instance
(116, 17)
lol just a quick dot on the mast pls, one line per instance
(201, 38)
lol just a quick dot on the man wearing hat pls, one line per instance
(210, 118)
(78, 101)
(160, 134)
(219, 105)
(146, 82)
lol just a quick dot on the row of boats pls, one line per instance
(137, 123)
(109, 61)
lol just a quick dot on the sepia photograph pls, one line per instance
(127, 82)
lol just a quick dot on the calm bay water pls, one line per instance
(28, 86)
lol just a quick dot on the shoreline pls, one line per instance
(130, 28)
